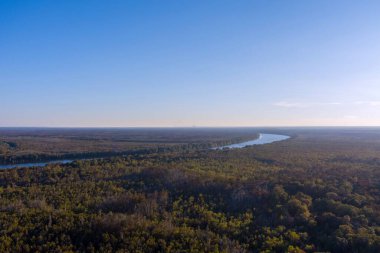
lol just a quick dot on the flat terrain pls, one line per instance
(318, 191)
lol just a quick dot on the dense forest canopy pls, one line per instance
(316, 192)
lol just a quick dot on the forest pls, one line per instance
(318, 191)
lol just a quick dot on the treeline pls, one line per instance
(43, 157)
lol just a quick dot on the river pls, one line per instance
(263, 139)
(27, 165)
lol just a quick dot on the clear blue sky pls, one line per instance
(186, 63)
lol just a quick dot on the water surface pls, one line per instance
(28, 165)
(263, 139)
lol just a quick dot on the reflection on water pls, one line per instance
(263, 139)
(27, 165)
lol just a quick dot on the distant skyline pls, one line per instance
(173, 63)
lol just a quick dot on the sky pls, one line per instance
(189, 63)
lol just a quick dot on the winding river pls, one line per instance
(263, 139)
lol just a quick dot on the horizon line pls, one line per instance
(125, 127)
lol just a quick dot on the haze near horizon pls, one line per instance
(189, 63)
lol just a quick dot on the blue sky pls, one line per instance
(189, 63)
